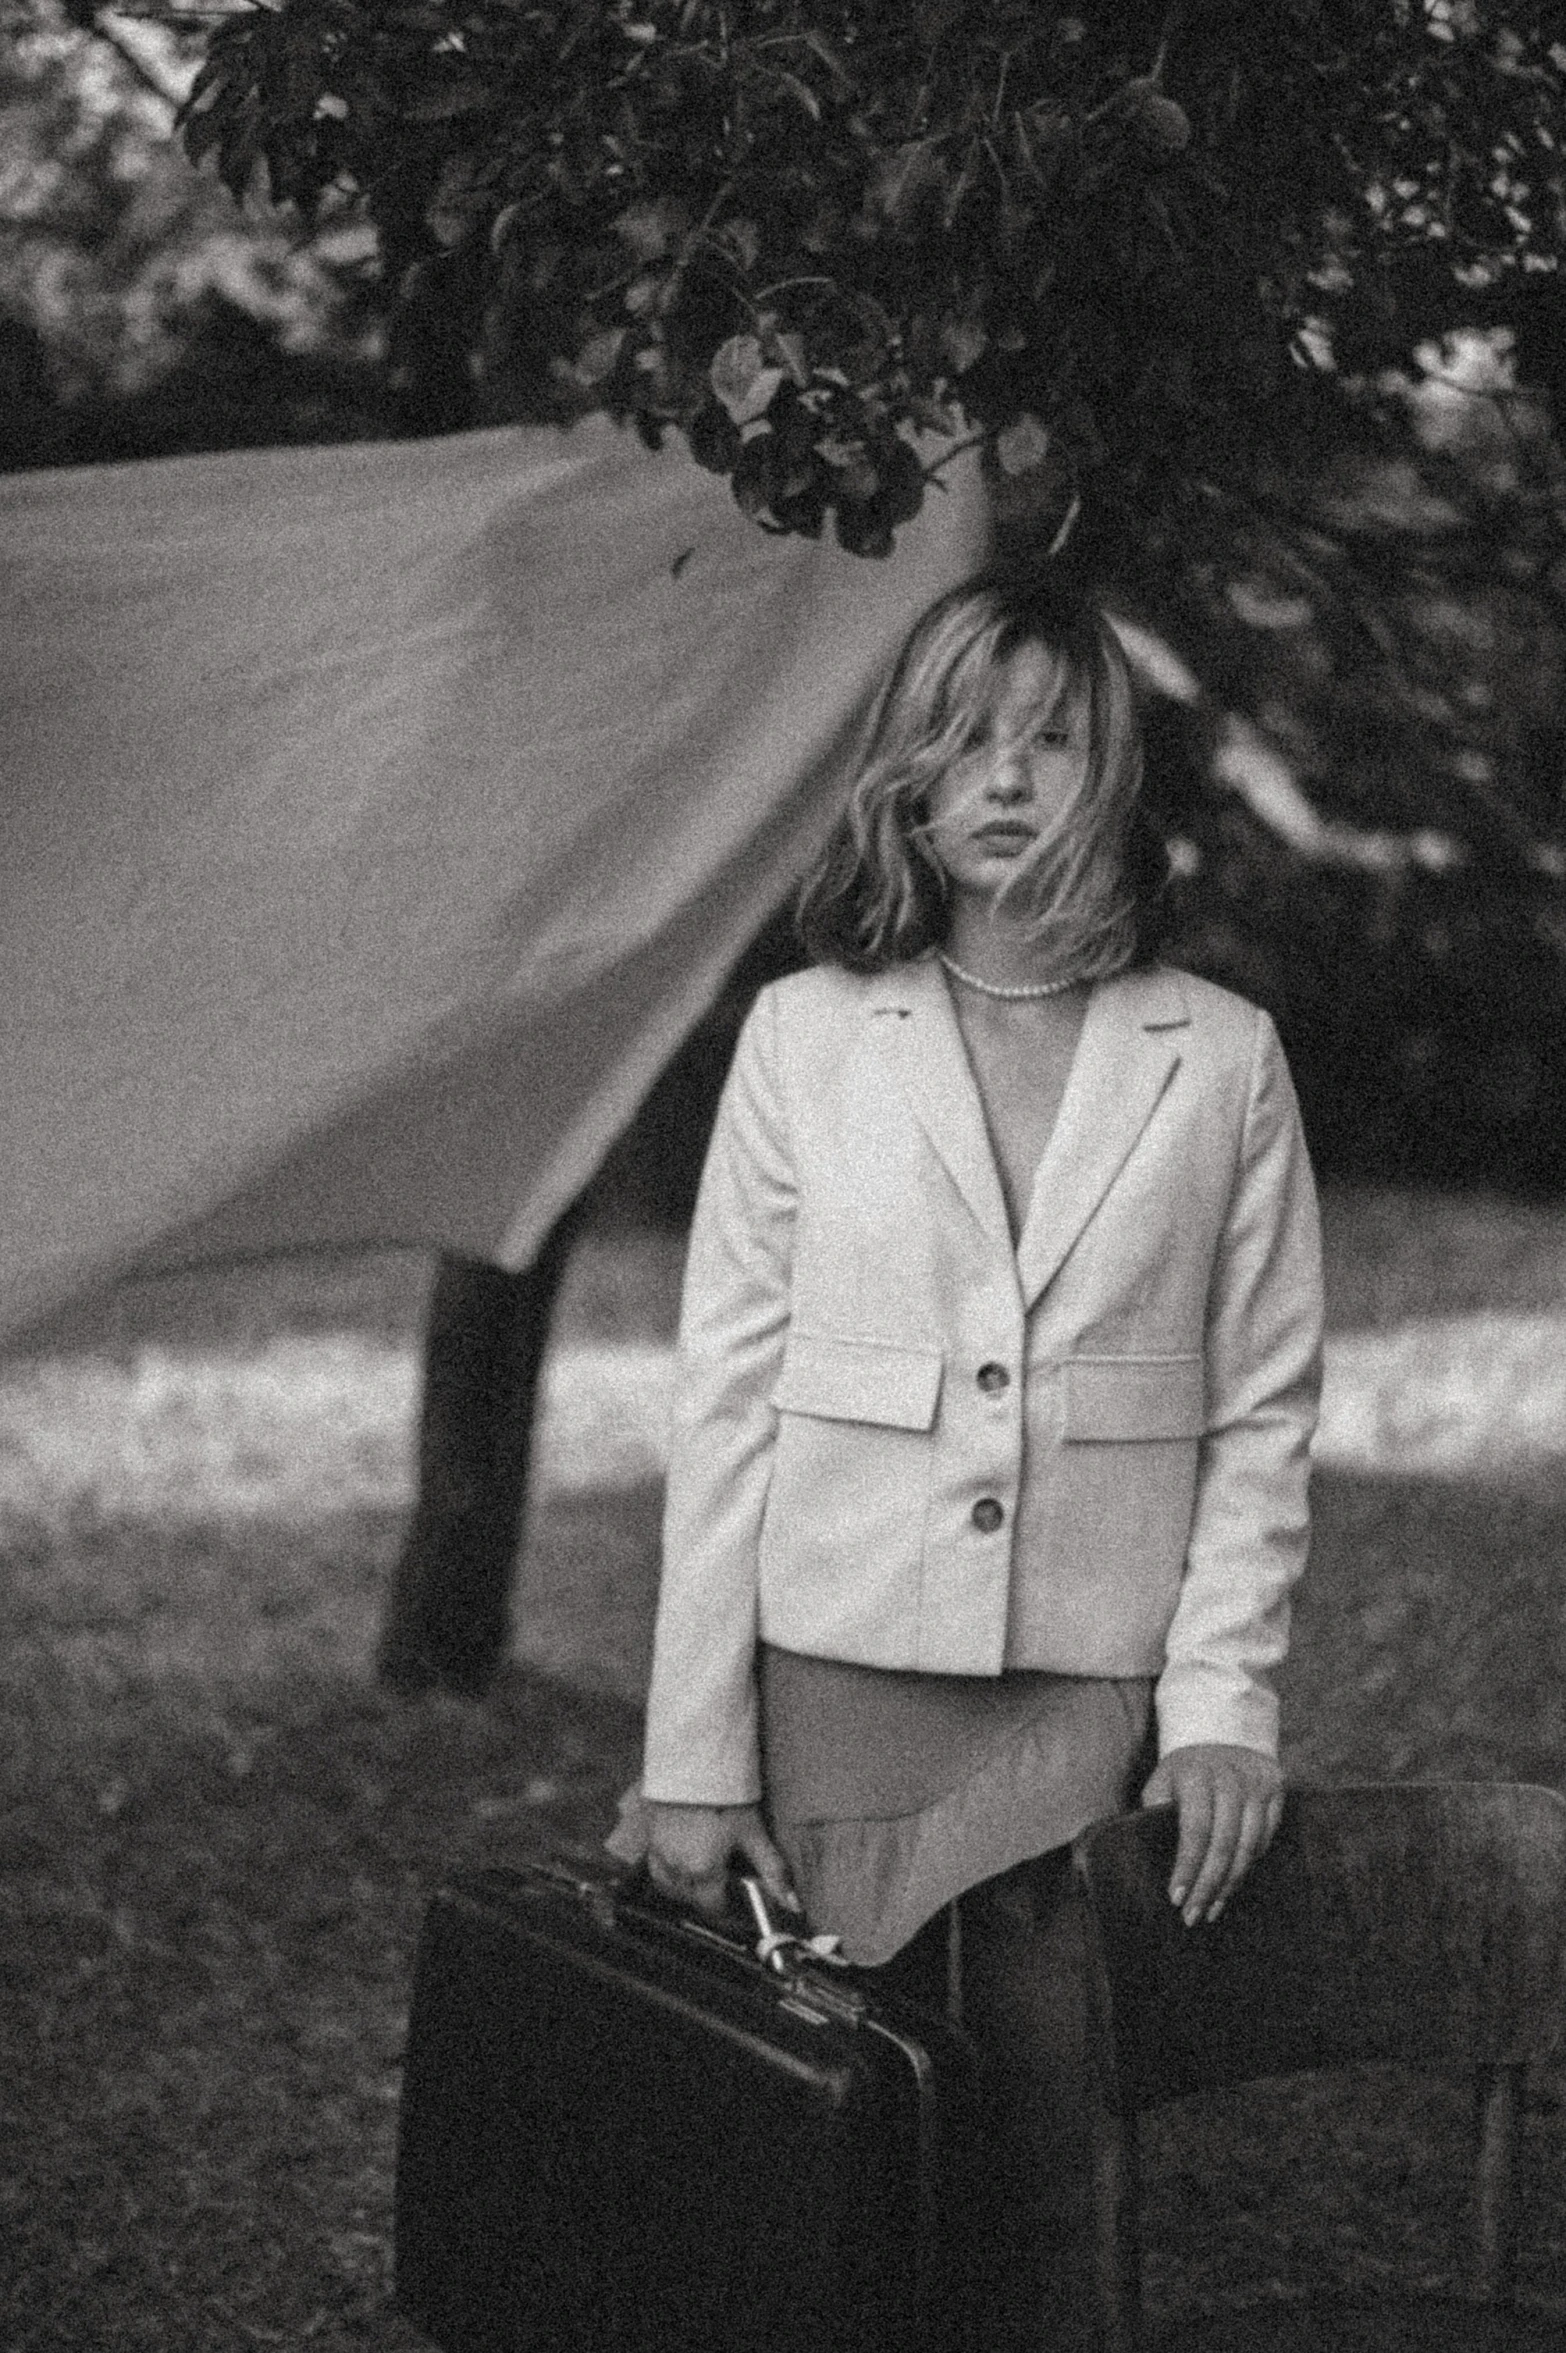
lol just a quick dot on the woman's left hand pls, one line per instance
(1230, 1801)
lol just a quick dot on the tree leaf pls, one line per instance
(501, 226)
(754, 480)
(1159, 124)
(863, 530)
(743, 240)
(964, 342)
(1022, 446)
(799, 91)
(204, 131)
(934, 415)
(741, 379)
(714, 439)
(789, 347)
(829, 54)
(598, 355)
(906, 184)
(651, 228)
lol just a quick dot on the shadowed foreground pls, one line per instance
(215, 1840)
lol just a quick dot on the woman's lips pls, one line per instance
(1004, 836)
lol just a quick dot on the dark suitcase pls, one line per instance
(624, 2132)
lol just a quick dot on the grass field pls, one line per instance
(215, 1837)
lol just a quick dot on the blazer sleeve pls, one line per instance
(702, 1744)
(1250, 1524)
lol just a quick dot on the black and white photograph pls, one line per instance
(783, 1176)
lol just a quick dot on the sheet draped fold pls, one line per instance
(379, 818)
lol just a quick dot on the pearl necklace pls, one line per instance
(991, 988)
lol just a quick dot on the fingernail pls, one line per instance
(1177, 1893)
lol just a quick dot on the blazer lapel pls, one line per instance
(914, 1025)
(1127, 1053)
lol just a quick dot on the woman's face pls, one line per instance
(1025, 761)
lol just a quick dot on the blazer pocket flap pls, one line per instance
(859, 1381)
(1119, 1397)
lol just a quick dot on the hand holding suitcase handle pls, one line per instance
(691, 1851)
(783, 1949)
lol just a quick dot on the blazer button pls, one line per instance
(992, 1379)
(987, 1515)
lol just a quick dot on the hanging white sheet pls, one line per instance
(377, 819)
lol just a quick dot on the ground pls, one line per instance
(216, 1838)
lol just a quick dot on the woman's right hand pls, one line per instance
(690, 1850)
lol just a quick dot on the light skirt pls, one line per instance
(890, 1793)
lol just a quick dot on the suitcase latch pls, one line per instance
(824, 2005)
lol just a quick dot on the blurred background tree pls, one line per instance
(141, 311)
(1258, 314)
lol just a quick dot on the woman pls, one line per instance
(999, 1358)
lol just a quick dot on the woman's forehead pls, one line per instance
(1031, 682)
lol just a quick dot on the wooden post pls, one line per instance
(448, 1613)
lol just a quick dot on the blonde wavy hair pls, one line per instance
(877, 895)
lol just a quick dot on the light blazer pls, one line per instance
(901, 1441)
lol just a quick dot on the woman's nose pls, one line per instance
(1010, 779)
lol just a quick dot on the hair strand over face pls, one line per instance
(878, 894)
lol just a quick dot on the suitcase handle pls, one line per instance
(785, 1951)
(782, 1949)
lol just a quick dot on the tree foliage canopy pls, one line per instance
(1242, 354)
(1150, 254)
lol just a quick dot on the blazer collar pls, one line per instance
(1128, 1051)
(1127, 1054)
(918, 1029)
